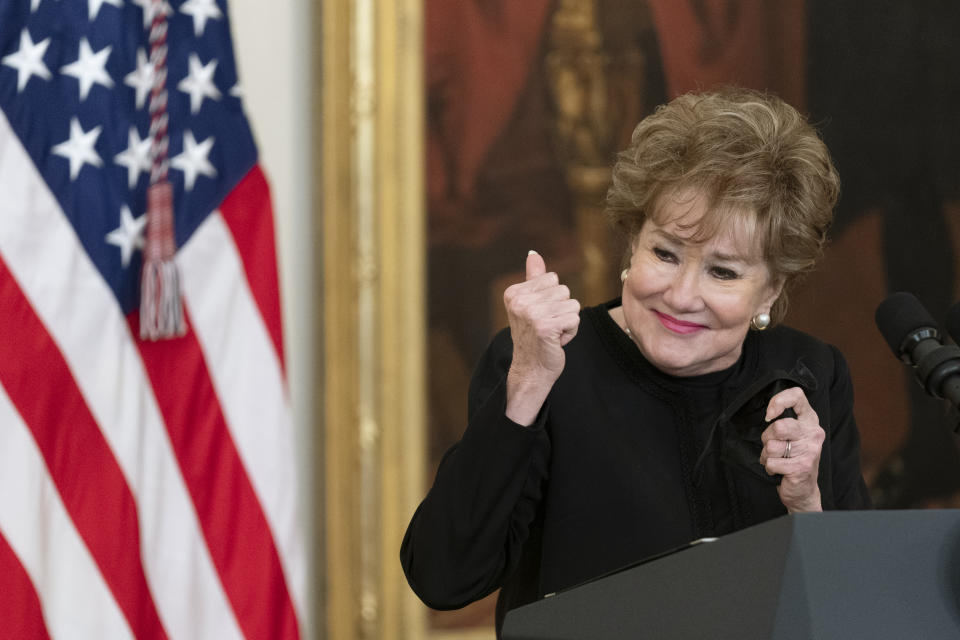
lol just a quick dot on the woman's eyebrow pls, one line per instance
(718, 255)
(666, 235)
(730, 257)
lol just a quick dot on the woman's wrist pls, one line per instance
(811, 504)
(526, 394)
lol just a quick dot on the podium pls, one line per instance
(839, 575)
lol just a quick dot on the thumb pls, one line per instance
(535, 265)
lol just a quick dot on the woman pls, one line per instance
(600, 437)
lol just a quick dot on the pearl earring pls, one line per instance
(623, 275)
(760, 321)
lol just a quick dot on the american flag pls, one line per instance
(147, 489)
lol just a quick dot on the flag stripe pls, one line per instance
(249, 382)
(20, 605)
(161, 467)
(230, 515)
(79, 460)
(81, 314)
(75, 600)
(249, 215)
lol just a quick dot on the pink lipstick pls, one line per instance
(678, 326)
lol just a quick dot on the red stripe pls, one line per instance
(249, 216)
(232, 520)
(79, 460)
(19, 606)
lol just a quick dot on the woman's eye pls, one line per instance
(664, 255)
(722, 273)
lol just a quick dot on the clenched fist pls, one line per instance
(543, 318)
(800, 462)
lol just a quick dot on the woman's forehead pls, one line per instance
(688, 218)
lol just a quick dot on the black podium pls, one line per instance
(841, 575)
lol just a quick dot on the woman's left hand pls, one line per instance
(791, 447)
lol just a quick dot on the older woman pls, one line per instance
(601, 436)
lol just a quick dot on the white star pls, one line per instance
(135, 158)
(193, 160)
(94, 6)
(199, 82)
(201, 10)
(78, 149)
(149, 11)
(141, 78)
(28, 60)
(236, 90)
(89, 68)
(129, 235)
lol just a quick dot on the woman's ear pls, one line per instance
(775, 289)
(627, 260)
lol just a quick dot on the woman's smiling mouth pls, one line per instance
(678, 326)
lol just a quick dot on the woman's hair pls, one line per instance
(753, 157)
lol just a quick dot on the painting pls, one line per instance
(528, 103)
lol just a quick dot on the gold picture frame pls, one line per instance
(371, 387)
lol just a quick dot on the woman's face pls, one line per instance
(688, 304)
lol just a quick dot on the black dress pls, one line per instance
(623, 462)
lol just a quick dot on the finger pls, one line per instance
(538, 283)
(555, 330)
(792, 398)
(568, 335)
(535, 265)
(528, 292)
(570, 331)
(794, 429)
(782, 429)
(778, 449)
(536, 306)
(552, 317)
(560, 307)
(557, 325)
(547, 292)
(786, 466)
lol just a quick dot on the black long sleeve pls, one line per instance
(849, 489)
(603, 477)
(466, 536)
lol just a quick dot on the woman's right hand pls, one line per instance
(543, 318)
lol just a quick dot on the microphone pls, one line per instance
(915, 338)
(953, 322)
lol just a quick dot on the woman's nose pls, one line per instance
(683, 290)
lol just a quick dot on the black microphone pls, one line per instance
(953, 322)
(915, 338)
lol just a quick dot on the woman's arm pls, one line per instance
(467, 534)
(465, 538)
(849, 489)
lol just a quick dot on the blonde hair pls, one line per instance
(748, 153)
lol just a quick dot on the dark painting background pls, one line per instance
(529, 101)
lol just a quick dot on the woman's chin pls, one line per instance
(677, 361)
